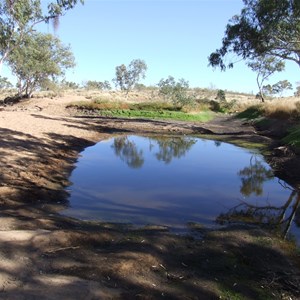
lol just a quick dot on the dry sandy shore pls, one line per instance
(36, 156)
(45, 256)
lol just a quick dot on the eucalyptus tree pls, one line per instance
(128, 76)
(176, 91)
(263, 28)
(97, 85)
(42, 58)
(281, 86)
(278, 88)
(19, 18)
(265, 66)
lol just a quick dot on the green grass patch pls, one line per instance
(148, 110)
(230, 295)
(293, 138)
(162, 114)
(264, 123)
(154, 106)
(251, 113)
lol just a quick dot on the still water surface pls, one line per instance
(171, 181)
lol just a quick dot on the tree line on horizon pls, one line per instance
(265, 35)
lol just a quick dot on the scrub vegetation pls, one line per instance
(203, 106)
(271, 116)
(155, 110)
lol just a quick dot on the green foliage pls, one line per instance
(59, 7)
(174, 115)
(227, 106)
(277, 88)
(221, 95)
(264, 27)
(251, 113)
(105, 85)
(127, 77)
(267, 90)
(69, 85)
(155, 110)
(4, 83)
(214, 105)
(177, 92)
(281, 86)
(293, 138)
(154, 106)
(230, 295)
(42, 58)
(265, 66)
(166, 87)
(140, 87)
(97, 85)
(50, 85)
(218, 106)
(20, 17)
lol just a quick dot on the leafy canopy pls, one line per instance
(42, 58)
(127, 77)
(97, 85)
(265, 66)
(264, 27)
(277, 88)
(4, 83)
(176, 91)
(19, 17)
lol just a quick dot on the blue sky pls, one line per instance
(174, 37)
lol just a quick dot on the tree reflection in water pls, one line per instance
(128, 152)
(253, 177)
(168, 148)
(276, 217)
(172, 147)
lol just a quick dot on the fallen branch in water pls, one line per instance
(62, 249)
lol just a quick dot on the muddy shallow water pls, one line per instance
(177, 182)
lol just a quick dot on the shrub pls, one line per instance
(97, 85)
(293, 138)
(252, 112)
(221, 95)
(177, 92)
(223, 106)
(215, 106)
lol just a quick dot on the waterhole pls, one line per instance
(179, 182)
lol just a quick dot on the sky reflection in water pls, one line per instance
(171, 181)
